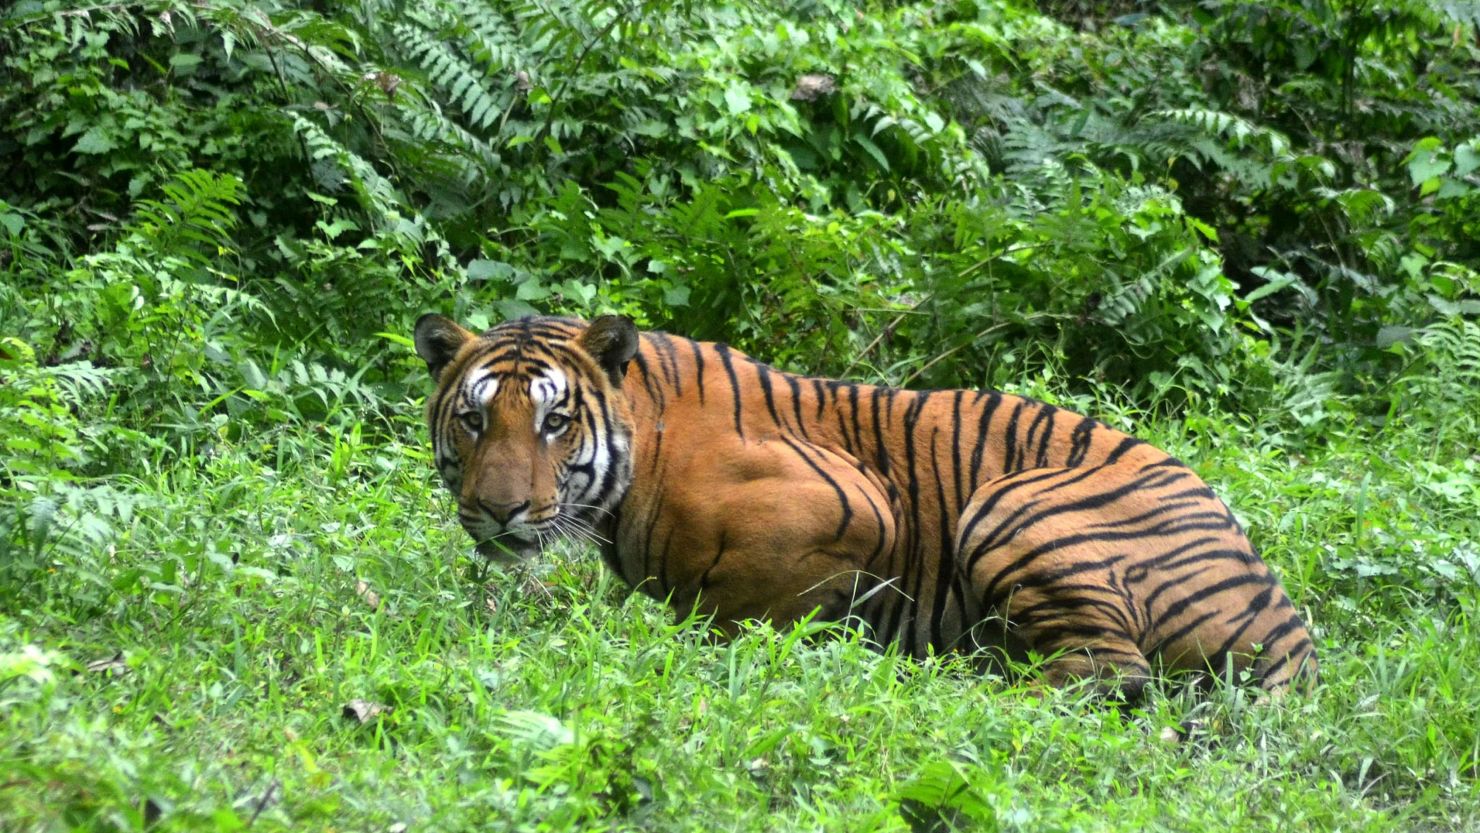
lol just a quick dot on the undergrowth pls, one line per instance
(231, 598)
(199, 669)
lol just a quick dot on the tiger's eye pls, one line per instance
(472, 420)
(555, 423)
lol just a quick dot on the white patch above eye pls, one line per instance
(477, 391)
(547, 391)
(481, 389)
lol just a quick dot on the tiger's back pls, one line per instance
(943, 520)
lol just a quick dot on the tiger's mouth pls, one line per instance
(508, 548)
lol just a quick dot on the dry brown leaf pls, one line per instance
(813, 86)
(364, 711)
(389, 82)
(111, 666)
(1183, 732)
(362, 589)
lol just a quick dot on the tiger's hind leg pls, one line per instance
(1018, 545)
(1101, 567)
(1079, 631)
(1113, 662)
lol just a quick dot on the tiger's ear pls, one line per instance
(438, 339)
(612, 341)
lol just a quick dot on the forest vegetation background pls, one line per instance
(231, 595)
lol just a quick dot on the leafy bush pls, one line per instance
(1119, 188)
(1245, 230)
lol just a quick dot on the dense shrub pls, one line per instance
(1244, 230)
(938, 182)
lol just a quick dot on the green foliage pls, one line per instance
(1441, 385)
(47, 511)
(40, 432)
(1283, 128)
(200, 671)
(1243, 229)
(1144, 192)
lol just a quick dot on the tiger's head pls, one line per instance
(530, 428)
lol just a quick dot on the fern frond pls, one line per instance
(492, 40)
(76, 382)
(1453, 347)
(1237, 131)
(463, 83)
(375, 193)
(197, 207)
(1455, 12)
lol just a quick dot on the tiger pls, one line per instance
(937, 520)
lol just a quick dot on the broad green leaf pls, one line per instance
(873, 150)
(13, 223)
(95, 141)
(609, 246)
(737, 97)
(1426, 163)
(184, 63)
(483, 270)
(1466, 160)
(531, 290)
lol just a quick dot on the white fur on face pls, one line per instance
(547, 391)
(603, 463)
(480, 389)
(474, 393)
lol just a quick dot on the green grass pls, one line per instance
(251, 593)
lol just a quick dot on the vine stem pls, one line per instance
(556, 99)
(1027, 319)
(887, 329)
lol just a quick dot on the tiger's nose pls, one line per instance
(502, 512)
